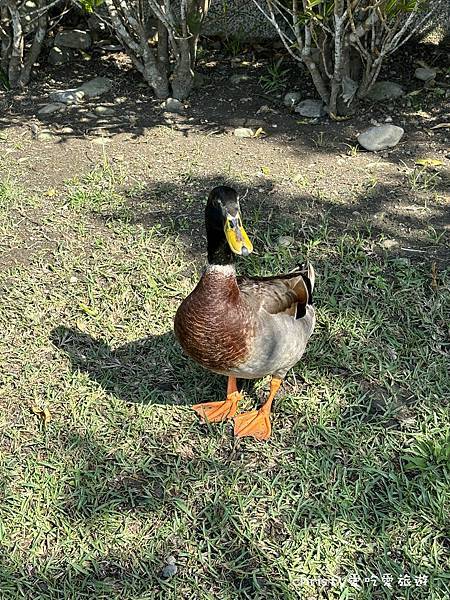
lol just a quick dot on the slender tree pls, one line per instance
(343, 43)
(23, 27)
(168, 64)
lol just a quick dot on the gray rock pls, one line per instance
(73, 96)
(243, 132)
(73, 38)
(389, 244)
(45, 136)
(239, 78)
(170, 569)
(112, 48)
(385, 90)
(310, 108)
(424, 74)
(174, 105)
(380, 138)
(59, 56)
(285, 241)
(96, 87)
(104, 111)
(291, 99)
(49, 109)
(95, 24)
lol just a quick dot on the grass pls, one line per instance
(354, 483)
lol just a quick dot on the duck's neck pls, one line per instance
(221, 270)
(219, 253)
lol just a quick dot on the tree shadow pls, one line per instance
(380, 209)
(218, 106)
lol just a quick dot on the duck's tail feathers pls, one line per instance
(308, 278)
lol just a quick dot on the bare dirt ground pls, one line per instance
(300, 168)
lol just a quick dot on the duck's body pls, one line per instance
(244, 327)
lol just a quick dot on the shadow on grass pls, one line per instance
(140, 497)
(147, 371)
(230, 518)
(376, 209)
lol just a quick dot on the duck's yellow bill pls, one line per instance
(237, 239)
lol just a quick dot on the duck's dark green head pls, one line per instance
(224, 230)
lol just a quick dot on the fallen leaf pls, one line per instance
(44, 413)
(87, 309)
(441, 126)
(51, 192)
(260, 131)
(415, 92)
(340, 117)
(429, 162)
(265, 170)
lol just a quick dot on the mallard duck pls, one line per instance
(243, 327)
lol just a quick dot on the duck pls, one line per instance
(243, 327)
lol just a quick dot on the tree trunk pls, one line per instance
(16, 57)
(5, 39)
(183, 75)
(163, 49)
(156, 77)
(36, 47)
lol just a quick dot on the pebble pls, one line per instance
(285, 241)
(45, 136)
(59, 56)
(380, 138)
(73, 96)
(96, 87)
(243, 132)
(170, 569)
(173, 105)
(385, 90)
(389, 244)
(49, 109)
(424, 74)
(310, 108)
(104, 111)
(291, 99)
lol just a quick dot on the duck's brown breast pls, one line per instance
(213, 324)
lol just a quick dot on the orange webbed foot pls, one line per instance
(255, 423)
(214, 412)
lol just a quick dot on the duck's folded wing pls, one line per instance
(284, 293)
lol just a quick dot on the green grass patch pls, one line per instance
(350, 496)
